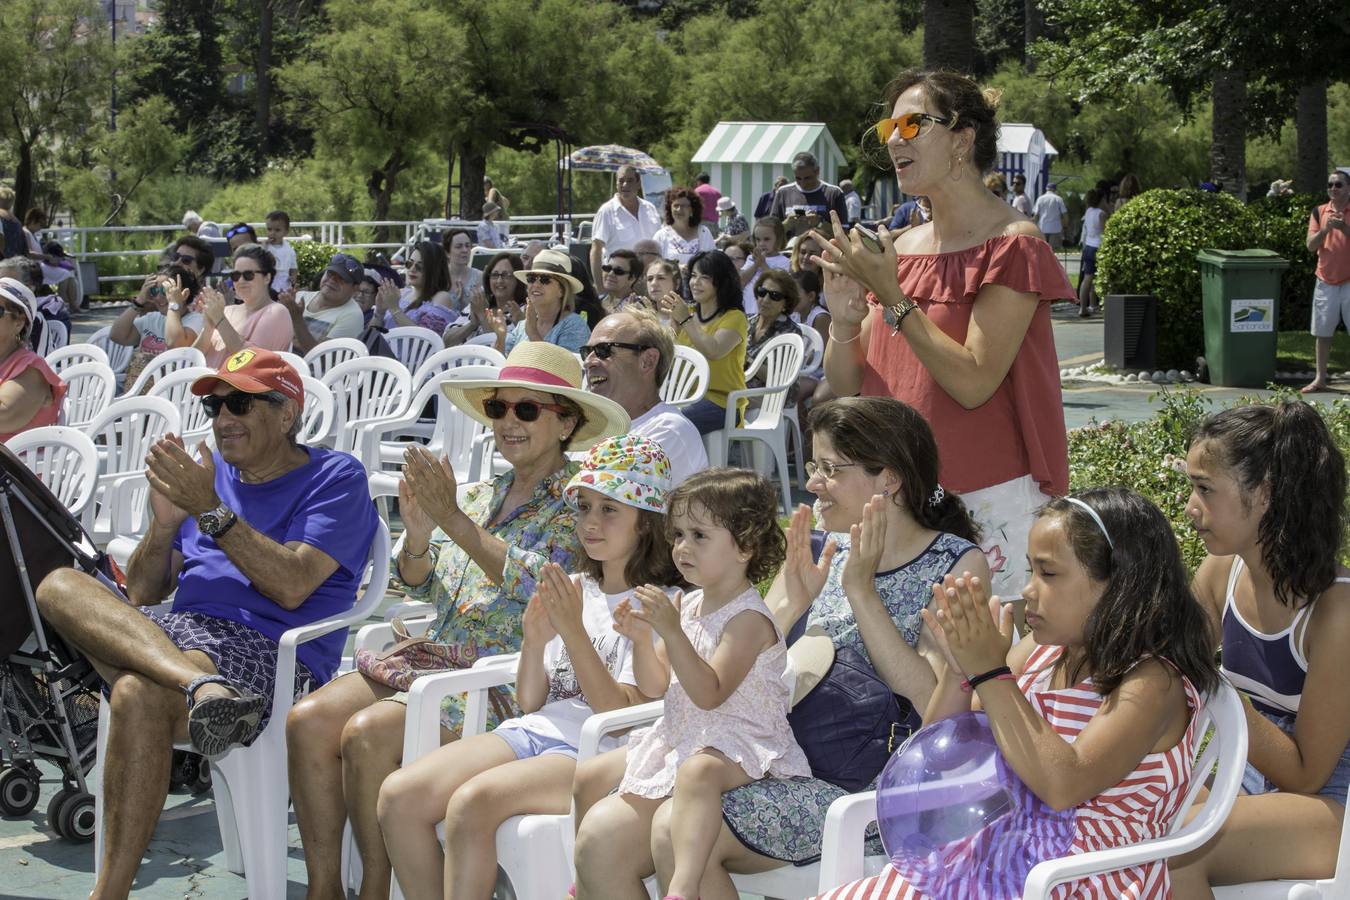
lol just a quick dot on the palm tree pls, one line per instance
(949, 34)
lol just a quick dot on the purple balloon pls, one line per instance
(956, 820)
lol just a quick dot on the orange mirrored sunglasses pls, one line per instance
(909, 125)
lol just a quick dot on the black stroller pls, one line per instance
(49, 694)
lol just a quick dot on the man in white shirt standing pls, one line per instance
(332, 310)
(1050, 212)
(626, 359)
(1019, 199)
(623, 220)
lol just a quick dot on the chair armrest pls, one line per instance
(422, 729)
(378, 635)
(734, 398)
(603, 724)
(842, 849)
(283, 691)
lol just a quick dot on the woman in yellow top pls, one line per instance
(716, 327)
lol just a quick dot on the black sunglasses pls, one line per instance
(1335, 184)
(243, 275)
(605, 349)
(238, 403)
(525, 410)
(776, 296)
(536, 278)
(615, 270)
(237, 230)
(189, 259)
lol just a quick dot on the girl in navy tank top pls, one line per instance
(1267, 490)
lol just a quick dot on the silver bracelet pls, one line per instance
(837, 341)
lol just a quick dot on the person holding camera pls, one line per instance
(807, 201)
(158, 318)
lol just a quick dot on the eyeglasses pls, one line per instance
(525, 410)
(826, 468)
(415, 267)
(243, 274)
(238, 403)
(500, 276)
(536, 278)
(189, 259)
(615, 270)
(775, 296)
(909, 125)
(605, 349)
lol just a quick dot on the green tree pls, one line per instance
(56, 57)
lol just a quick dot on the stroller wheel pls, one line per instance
(77, 820)
(18, 792)
(54, 807)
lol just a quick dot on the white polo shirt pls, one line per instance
(621, 230)
(677, 436)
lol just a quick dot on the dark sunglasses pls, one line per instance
(415, 267)
(189, 259)
(1332, 185)
(243, 275)
(909, 125)
(238, 403)
(156, 290)
(615, 270)
(525, 410)
(237, 230)
(776, 296)
(605, 349)
(536, 278)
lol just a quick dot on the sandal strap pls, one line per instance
(196, 683)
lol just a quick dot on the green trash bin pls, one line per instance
(1241, 293)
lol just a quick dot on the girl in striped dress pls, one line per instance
(1094, 709)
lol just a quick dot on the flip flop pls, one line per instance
(1313, 388)
(217, 724)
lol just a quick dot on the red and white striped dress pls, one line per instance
(1139, 808)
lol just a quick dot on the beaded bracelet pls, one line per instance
(411, 555)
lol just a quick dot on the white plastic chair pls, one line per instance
(815, 349)
(119, 355)
(454, 357)
(687, 380)
(330, 353)
(317, 419)
(176, 387)
(482, 340)
(164, 363)
(74, 354)
(251, 789)
(296, 361)
(64, 459)
(90, 387)
(366, 390)
(1334, 888)
(55, 335)
(412, 344)
(123, 434)
(781, 360)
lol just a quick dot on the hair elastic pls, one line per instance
(1096, 518)
(937, 496)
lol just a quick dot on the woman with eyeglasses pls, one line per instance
(500, 291)
(621, 277)
(683, 235)
(960, 327)
(475, 558)
(550, 293)
(426, 301)
(256, 321)
(30, 392)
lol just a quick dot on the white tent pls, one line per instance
(744, 158)
(1023, 149)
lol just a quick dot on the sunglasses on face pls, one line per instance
(525, 410)
(909, 125)
(534, 278)
(156, 290)
(235, 232)
(826, 468)
(615, 270)
(775, 296)
(188, 259)
(605, 349)
(1334, 185)
(238, 403)
(243, 274)
(415, 267)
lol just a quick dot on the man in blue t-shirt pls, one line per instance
(259, 537)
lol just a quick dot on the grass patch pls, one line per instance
(1296, 352)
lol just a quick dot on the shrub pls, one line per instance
(311, 258)
(1283, 222)
(1149, 247)
(1140, 455)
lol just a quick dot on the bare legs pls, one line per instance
(1323, 354)
(728, 855)
(613, 851)
(595, 779)
(1087, 295)
(696, 814)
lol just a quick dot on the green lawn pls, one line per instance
(1296, 352)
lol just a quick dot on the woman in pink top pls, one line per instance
(953, 316)
(30, 392)
(255, 322)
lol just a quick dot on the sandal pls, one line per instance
(217, 724)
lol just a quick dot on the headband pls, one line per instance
(1096, 518)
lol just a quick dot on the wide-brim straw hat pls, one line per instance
(810, 657)
(548, 368)
(555, 263)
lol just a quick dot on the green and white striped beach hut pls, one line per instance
(744, 158)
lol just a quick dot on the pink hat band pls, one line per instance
(529, 373)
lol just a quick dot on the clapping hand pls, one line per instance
(662, 613)
(804, 575)
(292, 304)
(386, 296)
(432, 482)
(415, 520)
(847, 255)
(673, 305)
(561, 596)
(627, 623)
(496, 322)
(213, 305)
(189, 485)
(867, 543)
(535, 626)
(973, 629)
(176, 292)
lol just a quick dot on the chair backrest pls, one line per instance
(781, 362)
(119, 355)
(412, 344)
(455, 432)
(55, 335)
(297, 362)
(176, 387)
(127, 428)
(74, 354)
(687, 380)
(332, 352)
(482, 340)
(454, 357)
(363, 389)
(317, 419)
(64, 459)
(164, 363)
(90, 387)
(815, 349)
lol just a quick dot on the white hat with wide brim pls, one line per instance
(544, 367)
(552, 262)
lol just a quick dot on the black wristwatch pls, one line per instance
(215, 522)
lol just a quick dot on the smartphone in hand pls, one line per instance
(870, 239)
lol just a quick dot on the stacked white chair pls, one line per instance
(333, 352)
(366, 390)
(687, 380)
(90, 387)
(781, 361)
(454, 357)
(296, 361)
(165, 363)
(814, 358)
(124, 434)
(55, 335)
(64, 459)
(412, 344)
(74, 354)
(119, 355)
(251, 789)
(317, 419)
(176, 387)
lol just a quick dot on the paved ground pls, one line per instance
(185, 859)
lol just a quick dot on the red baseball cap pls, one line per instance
(254, 370)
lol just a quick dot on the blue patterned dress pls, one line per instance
(784, 818)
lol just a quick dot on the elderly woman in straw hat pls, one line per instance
(550, 310)
(475, 558)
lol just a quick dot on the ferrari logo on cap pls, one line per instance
(239, 360)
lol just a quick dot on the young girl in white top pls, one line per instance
(573, 662)
(719, 661)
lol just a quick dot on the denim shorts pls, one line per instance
(526, 744)
(1253, 782)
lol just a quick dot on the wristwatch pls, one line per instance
(175, 306)
(215, 522)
